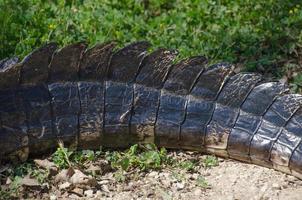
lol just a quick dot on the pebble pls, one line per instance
(194, 176)
(276, 186)
(53, 197)
(164, 174)
(73, 196)
(64, 186)
(105, 188)
(78, 191)
(166, 182)
(103, 182)
(153, 174)
(98, 194)
(180, 186)
(89, 193)
(197, 192)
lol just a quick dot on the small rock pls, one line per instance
(53, 197)
(89, 193)
(94, 169)
(30, 182)
(105, 188)
(180, 186)
(276, 186)
(197, 192)
(64, 186)
(80, 179)
(8, 181)
(291, 179)
(164, 174)
(166, 182)
(103, 182)
(73, 196)
(64, 175)
(78, 191)
(98, 193)
(46, 164)
(153, 174)
(194, 176)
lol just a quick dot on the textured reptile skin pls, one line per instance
(114, 98)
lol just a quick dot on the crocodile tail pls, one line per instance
(114, 98)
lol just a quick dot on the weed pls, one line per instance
(210, 161)
(187, 165)
(12, 191)
(201, 182)
(178, 176)
(61, 157)
(119, 176)
(16, 174)
(144, 157)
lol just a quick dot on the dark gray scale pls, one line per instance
(227, 109)
(211, 81)
(294, 127)
(296, 161)
(173, 100)
(9, 74)
(278, 116)
(184, 75)
(255, 106)
(93, 68)
(262, 97)
(65, 109)
(283, 147)
(200, 104)
(36, 100)
(125, 63)
(91, 118)
(240, 137)
(13, 130)
(65, 63)
(95, 61)
(170, 115)
(119, 92)
(34, 68)
(155, 68)
(153, 73)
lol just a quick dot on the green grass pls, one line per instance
(210, 161)
(261, 35)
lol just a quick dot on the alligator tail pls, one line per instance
(103, 96)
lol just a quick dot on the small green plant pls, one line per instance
(144, 157)
(187, 165)
(84, 156)
(119, 176)
(210, 161)
(12, 191)
(64, 157)
(178, 176)
(16, 174)
(40, 175)
(201, 182)
(61, 157)
(297, 83)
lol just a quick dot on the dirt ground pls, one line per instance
(229, 180)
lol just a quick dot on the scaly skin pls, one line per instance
(114, 98)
